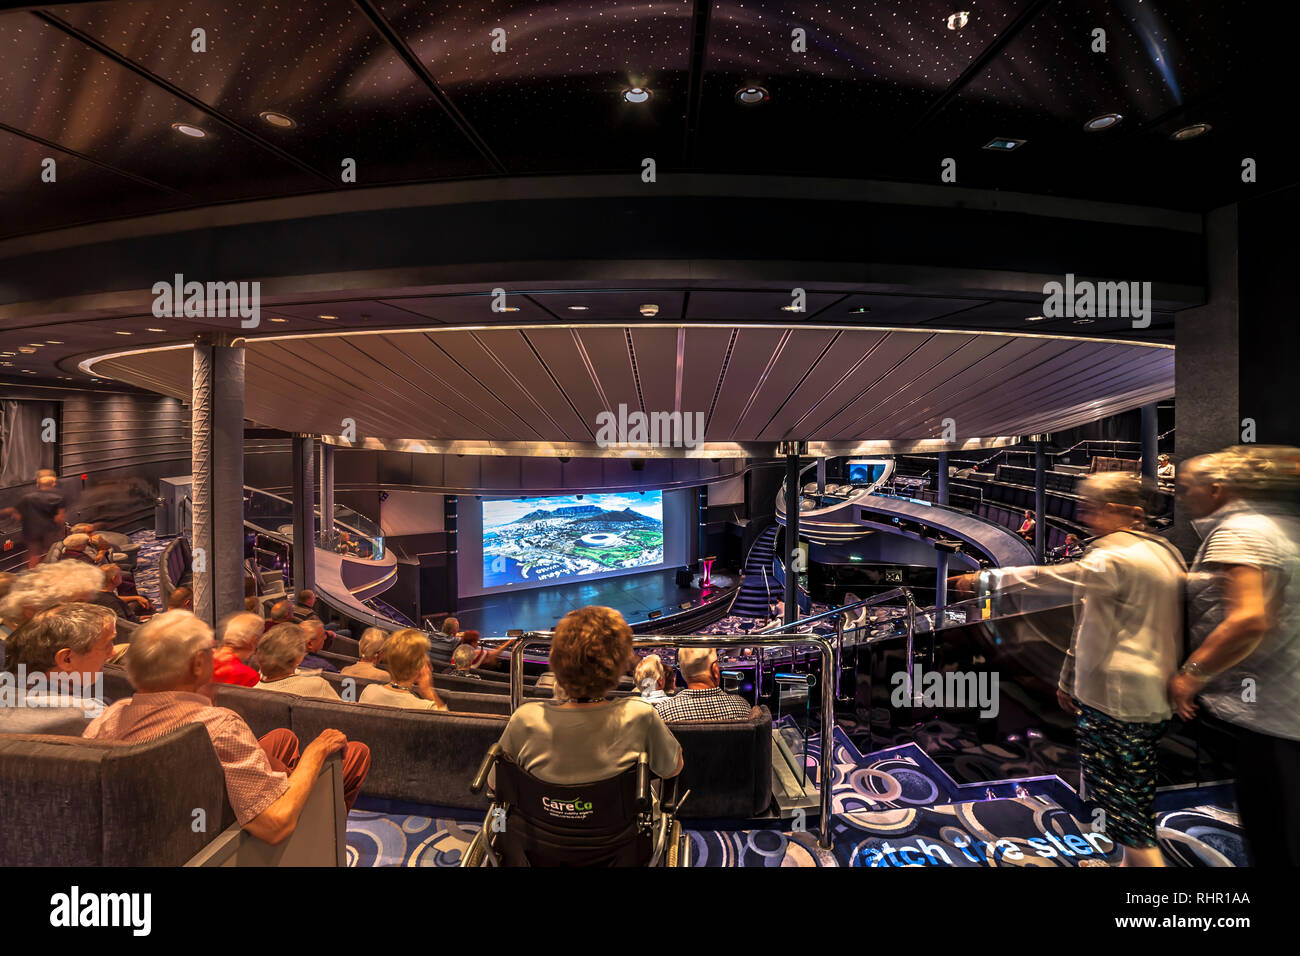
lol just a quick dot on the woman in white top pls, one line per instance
(1128, 589)
(279, 653)
(407, 657)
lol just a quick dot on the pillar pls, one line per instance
(1150, 440)
(1040, 498)
(217, 468)
(791, 532)
(304, 513)
(942, 486)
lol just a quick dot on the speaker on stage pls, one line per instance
(684, 577)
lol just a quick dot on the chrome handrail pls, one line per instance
(824, 760)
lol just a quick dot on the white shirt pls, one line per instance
(304, 685)
(387, 696)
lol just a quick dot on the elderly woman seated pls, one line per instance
(279, 653)
(582, 737)
(371, 651)
(411, 684)
(653, 680)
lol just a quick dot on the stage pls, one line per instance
(635, 596)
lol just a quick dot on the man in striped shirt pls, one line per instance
(268, 780)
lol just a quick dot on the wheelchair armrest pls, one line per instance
(485, 768)
(643, 783)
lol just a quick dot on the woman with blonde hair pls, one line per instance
(410, 685)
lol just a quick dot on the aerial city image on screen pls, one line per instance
(529, 540)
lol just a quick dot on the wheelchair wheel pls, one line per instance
(475, 852)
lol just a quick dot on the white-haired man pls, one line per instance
(59, 655)
(278, 657)
(267, 780)
(703, 698)
(239, 635)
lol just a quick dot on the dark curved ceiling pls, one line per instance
(413, 92)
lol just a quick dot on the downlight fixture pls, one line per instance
(189, 129)
(636, 94)
(649, 310)
(958, 20)
(1004, 144)
(1104, 121)
(1190, 132)
(278, 120)
(751, 95)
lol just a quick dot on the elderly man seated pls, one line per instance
(268, 780)
(411, 687)
(76, 548)
(239, 635)
(281, 613)
(129, 607)
(181, 599)
(703, 698)
(315, 633)
(371, 650)
(57, 658)
(278, 655)
(462, 663)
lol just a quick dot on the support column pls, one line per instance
(304, 513)
(941, 582)
(942, 486)
(1040, 498)
(821, 475)
(1150, 441)
(702, 527)
(791, 532)
(326, 485)
(217, 448)
(450, 511)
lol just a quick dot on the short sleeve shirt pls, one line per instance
(575, 745)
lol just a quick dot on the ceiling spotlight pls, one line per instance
(649, 310)
(278, 120)
(1190, 132)
(155, 330)
(1104, 121)
(577, 308)
(1004, 144)
(278, 319)
(187, 129)
(123, 333)
(750, 95)
(958, 20)
(1034, 318)
(328, 318)
(636, 94)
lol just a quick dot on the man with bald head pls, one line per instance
(703, 698)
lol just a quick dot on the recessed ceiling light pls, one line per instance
(958, 20)
(1034, 318)
(1083, 321)
(278, 319)
(7, 364)
(328, 318)
(751, 95)
(187, 129)
(1004, 144)
(1191, 132)
(28, 371)
(648, 310)
(636, 94)
(278, 120)
(123, 333)
(791, 308)
(155, 330)
(509, 308)
(577, 308)
(53, 342)
(27, 350)
(1104, 121)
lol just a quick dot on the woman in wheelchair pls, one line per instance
(561, 763)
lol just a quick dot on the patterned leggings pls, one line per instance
(1119, 771)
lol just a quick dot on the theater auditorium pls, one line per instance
(692, 434)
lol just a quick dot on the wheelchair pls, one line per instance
(606, 823)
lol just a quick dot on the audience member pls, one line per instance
(281, 613)
(67, 646)
(42, 514)
(181, 599)
(129, 608)
(703, 698)
(1072, 548)
(584, 737)
(253, 605)
(238, 635)
(48, 585)
(279, 653)
(315, 632)
(268, 780)
(462, 663)
(411, 686)
(652, 678)
(1244, 606)
(483, 657)
(450, 631)
(1027, 526)
(76, 548)
(371, 651)
(305, 606)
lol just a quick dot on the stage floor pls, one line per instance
(538, 609)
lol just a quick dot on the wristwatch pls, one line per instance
(1195, 671)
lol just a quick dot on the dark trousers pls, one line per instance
(1268, 796)
(281, 747)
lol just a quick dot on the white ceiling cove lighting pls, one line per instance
(577, 308)
(1104, 121)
